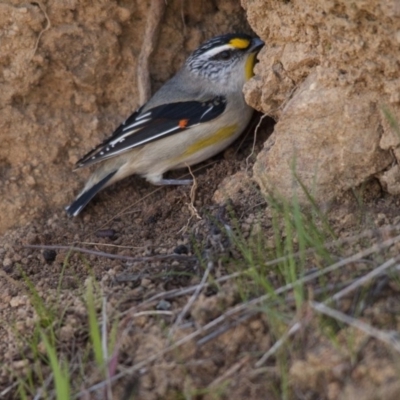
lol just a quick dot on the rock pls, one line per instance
(327, 69)
(7, 262)
(390, 180)
(328, 136)
(163, 305)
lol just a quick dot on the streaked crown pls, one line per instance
(218, 57)
(229, 41)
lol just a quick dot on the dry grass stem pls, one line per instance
(159, 257)
(225, 328)
(151, 312)
(104, 345)
(253, 303)
(8, 389)
(254, 140)
(236, 367)
(362, 326)
(364, 279)
(117, 246)
(43, 389)
(48, 26)
(278, 344)
(181, 292)
(192, 208)
(193, 298)
(308, 278)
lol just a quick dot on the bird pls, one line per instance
(196, 114)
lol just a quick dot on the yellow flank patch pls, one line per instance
(251, 59)
(240, 43)
(219, 136)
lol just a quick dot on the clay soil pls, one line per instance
(44, 290)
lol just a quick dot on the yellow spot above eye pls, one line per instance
(240, 43)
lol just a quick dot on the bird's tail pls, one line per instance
(83, 199)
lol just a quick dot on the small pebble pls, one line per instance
(106, 233)
(151, 220)
(181, 249)
(7, 262)
(163, 305)
(49, 256)
(146, 282)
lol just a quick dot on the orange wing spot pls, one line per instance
(183, 123)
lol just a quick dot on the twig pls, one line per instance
(108, 388)
(8, 389)
(41, 391)
(364, 279)
(249, 129)
(153, 312)
(254, 140)
(48, 26)
(104, 328)
(192, 208)
(154, 16)
(229, 372)
(247, 305)
(225, 328)
(158, 257)
(248, 314)
(278, 344)
(117, 246)
(362, 326)
(181, 292)
(193, 298)
(308, 278)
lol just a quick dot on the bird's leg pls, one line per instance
(159, 181)
(162, 182)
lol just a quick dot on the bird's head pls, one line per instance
(226, 59)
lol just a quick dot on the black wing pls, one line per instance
(157, 123)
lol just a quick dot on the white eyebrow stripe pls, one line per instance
(216, 50)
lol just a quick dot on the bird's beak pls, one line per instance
(256, 45)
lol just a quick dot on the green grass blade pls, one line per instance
(61, 374)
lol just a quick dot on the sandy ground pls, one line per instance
(136, 219)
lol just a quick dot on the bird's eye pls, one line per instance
(223, 56)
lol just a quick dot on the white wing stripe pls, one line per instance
(154, 137)
(122, 138)
(206, 112)
(143, 116)
(136, 123)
